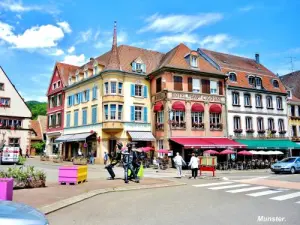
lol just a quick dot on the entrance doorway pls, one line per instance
(112, 146)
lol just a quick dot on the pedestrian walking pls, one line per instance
(27, 153)
(105, 158)
(91, 157)
(194, 164)
(179, 162)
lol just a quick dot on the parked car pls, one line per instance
(291, 164)
(20, 214)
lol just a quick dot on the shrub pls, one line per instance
(21, 160)
(39, 147)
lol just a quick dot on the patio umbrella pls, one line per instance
(211, 152)
(227, 152)
(244, 153)
(278, 153)
(262, 153)
(146, 149)
(163, 151)
(254, 152)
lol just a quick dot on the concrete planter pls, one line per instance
(72, 174)
(6, 189)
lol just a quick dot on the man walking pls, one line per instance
(178, 160)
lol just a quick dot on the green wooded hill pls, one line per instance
(37, 108)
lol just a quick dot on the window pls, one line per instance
(251, 80)
(94, 114)
(260, 124)
(294, 131)
(14, 142)
(279, 102)
(293, 111)
(178, 83)
(138, 113)
(95, 90)
(160, 144)
(197, 118)
(58, 83)
(70, 99)
(77, 77)
(271, 125)
(235, 98)
(194, 61)
(113, 109)
(289, 94)
(249, 123)
(106, 112)
(138, 67)
(276, 83)
(70, 80)
(106, 88)
(77, 98)
(113, 87)
(59, 100)
(84, 116)
(138, 90)
(58, 119)
(237, 123)
(258, 82)
(196, 85)
(68, 124)
(86, 96)
(160, 117)
(76, 118)
(232, 77)
(281, 125)
(247, 100)
(205, 86)
(213, 87)
(52, 120)
(178, 119)
(1, 87)
(86, 74)
(54, 86)
(215, 118)
(120, 87)
(299, 111)
(120, 112)
(258, 101)
(269, 102)
(95, 70)
(158, 85)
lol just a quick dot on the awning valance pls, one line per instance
(214, 108)
(208, 143)
(141, 136)
(269, 144)
(178, 106)
(158, 107)
(63, 138)
(196, 107)
(79, 137)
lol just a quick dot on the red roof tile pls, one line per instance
(65, 70)
(35, 125)
(292, 81)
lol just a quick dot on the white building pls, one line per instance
(15, 116)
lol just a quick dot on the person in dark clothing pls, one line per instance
(114, 160)
(129, 158)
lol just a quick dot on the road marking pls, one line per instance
(285, 197)
(257, 194)
(229, 186)
(211, 184)
(247, 189)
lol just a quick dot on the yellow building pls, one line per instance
(108, 100)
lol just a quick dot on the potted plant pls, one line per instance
(250, 131)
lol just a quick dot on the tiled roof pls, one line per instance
(43, 123)
(35, 125)
(114, 61)
(292, 80)
(65, 70)
(244, 67)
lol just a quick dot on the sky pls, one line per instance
(35, 34)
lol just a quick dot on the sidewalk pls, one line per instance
(55, 193)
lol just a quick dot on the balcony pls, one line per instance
(112, 126)
(112, 98)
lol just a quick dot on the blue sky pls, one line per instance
(34, 35)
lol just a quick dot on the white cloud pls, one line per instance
(58, 52)
(84, 36)
(246, 8)
(219, 42)
(77, 60)
(65, 26)
(44, 36)
(71, 49)
(180, 23)
(19, 16)
(172, 40)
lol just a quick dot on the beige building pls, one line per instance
(15, 116)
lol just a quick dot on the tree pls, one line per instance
(37, 108)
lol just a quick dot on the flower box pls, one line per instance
(273, 131)
(72, 174)
(238, 131)
(282, 132)
(6, 189)
(261, 131)
(250, 131)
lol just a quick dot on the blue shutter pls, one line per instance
(133, 66)
(68, 119)
(72, 100)
(69, 101)
(84, 117)
(94, 115)
(76, 118)
(145, 91)
(132, 112)
(95, 92)
(132, 90)
(145, 114)
(88, 95)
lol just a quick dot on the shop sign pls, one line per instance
(197, 97)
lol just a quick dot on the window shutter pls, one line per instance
(68, 119)
(204, 86)
(145, 114)
(144, 68)
(94, 115)
(88, 95)
(190, 84)
(133, 66)
(132, 113)
(132, 90)
(72, 100)
(220, 88)
(145, 91)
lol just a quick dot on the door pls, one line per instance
(112, 146)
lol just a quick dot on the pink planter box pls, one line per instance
(72, 174)
(6, 189)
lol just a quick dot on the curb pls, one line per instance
(73, 200)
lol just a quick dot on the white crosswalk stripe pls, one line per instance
(263, 193)
(229, 186)
(285, 197)
(212, 184)
(247, 189)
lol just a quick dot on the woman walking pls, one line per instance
(194, 164)
(178, 160)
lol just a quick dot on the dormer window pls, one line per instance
(70, 80)
(276, 83)
(77, 77)
(290, 95)
(86, 74)
(232, 77)
(138, 66)
(95, 70)
(258, 82)
(194, 61)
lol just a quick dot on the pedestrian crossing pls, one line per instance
(252, 190)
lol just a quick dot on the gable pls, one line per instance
(18, 107)
(55, 79)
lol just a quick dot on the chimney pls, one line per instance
(257, 58)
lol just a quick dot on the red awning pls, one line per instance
(178, 106)
(215, 108)
(158, 106)
(208, 143)
(196, 107)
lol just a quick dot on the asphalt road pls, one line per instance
(181, 205)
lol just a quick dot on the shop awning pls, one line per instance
(79, 137)
(196, 107)
(158, 107)
(214, 108)
(63, 138)
(141, 136)
(208, 143)
(178, 106)
(269, 144)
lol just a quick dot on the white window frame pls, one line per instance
(247, 96)
(197, 117)
(249, 123)
(269, 106)
(215, 117)
(194, 61)
(136, 91)
(235, 98)
(237, 123)
(70, 80)
(279, 103)
(271, 124)
(260, 102)
(77, 77)
(281, 126)
(160, 117)
(195, 88)
(212, 90)
(95, 70)
(86, 74)
(260, 124)
(139, 111)
(111, 87)
(231, 74)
